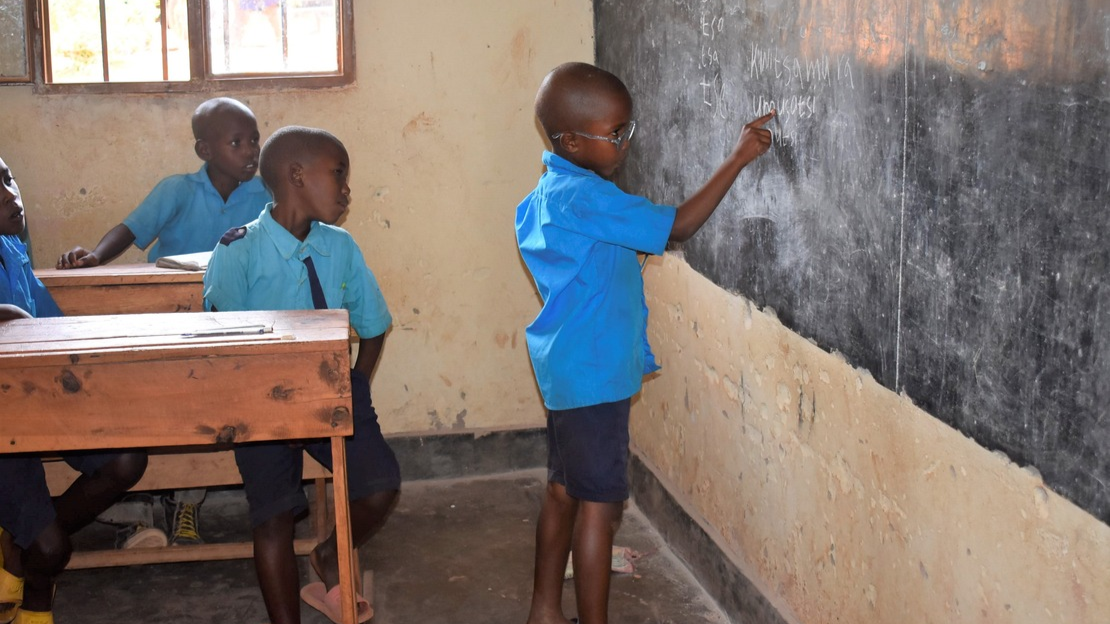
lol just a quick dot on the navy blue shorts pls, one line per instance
(25, 505)
(587, 451)
(272, 471)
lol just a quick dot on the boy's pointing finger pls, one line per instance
(758, 123)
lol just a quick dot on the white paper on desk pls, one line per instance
(186, 262)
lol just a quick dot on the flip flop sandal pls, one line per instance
(327, 602)
(621, 562)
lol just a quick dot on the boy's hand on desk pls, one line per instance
(9, 312)
(78, 258)
(754, 140)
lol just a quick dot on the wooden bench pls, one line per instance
(173, 469)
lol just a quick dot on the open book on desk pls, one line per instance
(186, 262)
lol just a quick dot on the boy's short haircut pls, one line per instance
(288, 144)
(202, 116)
(566, 95)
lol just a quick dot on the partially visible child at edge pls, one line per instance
(294, 258)
(185, 213)
(579, 235)
(35, 530)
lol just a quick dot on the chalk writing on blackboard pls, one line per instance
(712, 83)
(933, 205)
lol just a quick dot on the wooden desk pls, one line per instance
(135, 381)
(146, 288)
(124, 289)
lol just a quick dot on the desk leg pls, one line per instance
(343, 530)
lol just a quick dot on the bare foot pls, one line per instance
(325, 562)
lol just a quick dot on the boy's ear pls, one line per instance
(568, 142)
(296, 174)
(204, 152)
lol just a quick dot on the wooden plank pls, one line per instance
(153, 332)
(174, 554)
(132, 299)
(124, 289)
(230, 399)
(343, 543)
(170, 469)
(116, 275)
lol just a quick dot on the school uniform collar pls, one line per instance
(557, 164)
(201, 177)
(287, 244)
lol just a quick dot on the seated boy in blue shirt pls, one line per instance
(35, 530)
(294, 258)
(186, 214)
(579, 235)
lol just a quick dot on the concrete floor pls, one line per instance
(453, 551)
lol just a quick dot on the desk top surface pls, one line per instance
(116, 274)
(139, 336)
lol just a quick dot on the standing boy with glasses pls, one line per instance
(579, 235)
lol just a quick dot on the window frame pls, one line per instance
(202, 79)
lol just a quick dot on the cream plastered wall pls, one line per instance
(839, 498)
(443, 145)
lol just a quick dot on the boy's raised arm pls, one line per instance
(115, 242)
(754, 141)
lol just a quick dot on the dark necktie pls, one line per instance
(318, 299)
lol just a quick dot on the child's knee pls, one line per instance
(50, 551)
(125, 470)
(276, 529)
(377, 505)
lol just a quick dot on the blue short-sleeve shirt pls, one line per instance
(186, 214)
(579, 234)
(20, 287)
(260, 266)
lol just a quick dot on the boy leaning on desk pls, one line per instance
(293, 257)
(35, 530)
(185, 214)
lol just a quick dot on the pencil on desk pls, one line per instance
(230, 331)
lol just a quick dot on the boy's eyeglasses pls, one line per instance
(624, 137)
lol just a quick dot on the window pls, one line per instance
(192, 45)
(15, 44)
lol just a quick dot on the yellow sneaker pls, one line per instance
(34, 617)
(11, 595)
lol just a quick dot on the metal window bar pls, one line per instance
(227, 36)
(284, 34)
(163, 18)
(104, 39)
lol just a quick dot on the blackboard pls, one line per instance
(936, 204)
